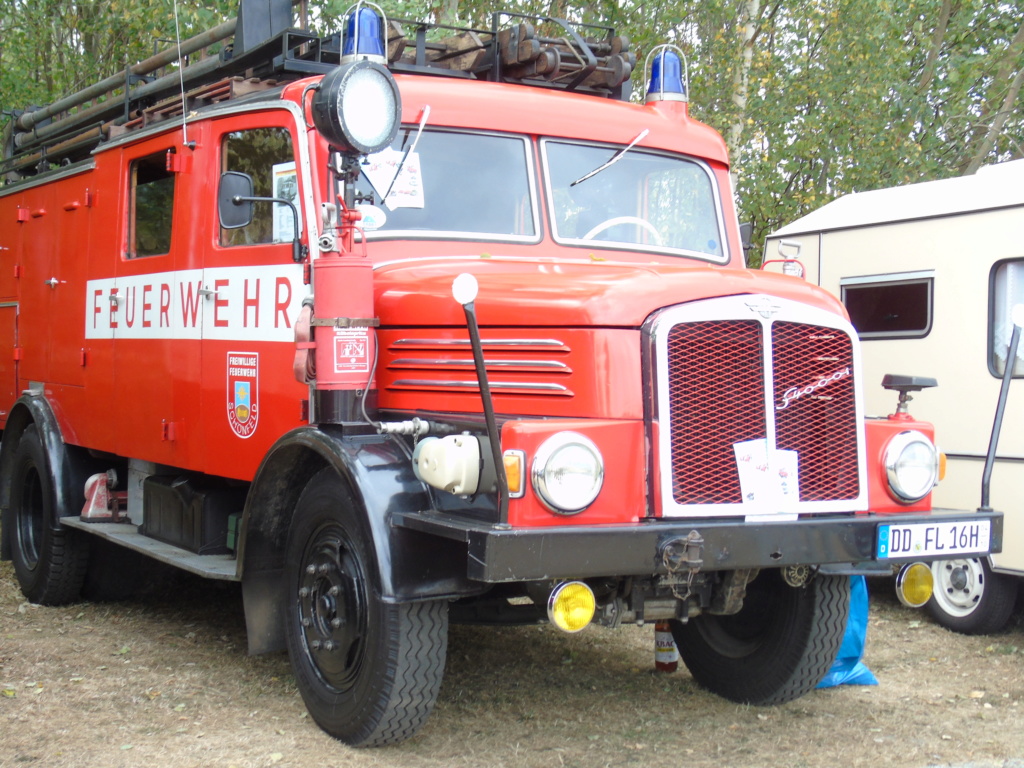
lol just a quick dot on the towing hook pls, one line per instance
(678, 552)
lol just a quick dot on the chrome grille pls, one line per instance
(737, 379)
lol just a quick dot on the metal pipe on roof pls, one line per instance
(29, 120)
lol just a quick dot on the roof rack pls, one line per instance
(518, 48)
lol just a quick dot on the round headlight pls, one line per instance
(911, 466)
(358, 107)
(567, 473)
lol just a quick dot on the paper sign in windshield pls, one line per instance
(407, 190)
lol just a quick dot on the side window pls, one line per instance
(152, 206)
(890, 306)
(266, 155)
(1006, 291)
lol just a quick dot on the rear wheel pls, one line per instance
(777, 648)
(969, 598)
(49, 561)
(368, 671)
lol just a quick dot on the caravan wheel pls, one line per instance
(969, 598)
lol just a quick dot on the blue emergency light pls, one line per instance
(364, 35)
(667, 81)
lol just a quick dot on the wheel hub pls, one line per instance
(332, 608)
(959, 585)
(958, 579)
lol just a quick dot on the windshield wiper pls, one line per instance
(615, 158)
(409, 150)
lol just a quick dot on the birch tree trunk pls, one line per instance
(747, 28)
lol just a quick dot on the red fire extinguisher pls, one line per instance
(343, 320)
(666, 656)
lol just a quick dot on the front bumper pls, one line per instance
(502, 554)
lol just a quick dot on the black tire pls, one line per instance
(969, 598)
(368, 671)
(777, 648)
(49, 561)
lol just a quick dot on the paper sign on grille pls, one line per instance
(769, 478)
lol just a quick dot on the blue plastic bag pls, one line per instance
(848, 668)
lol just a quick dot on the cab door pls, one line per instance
(253, 292)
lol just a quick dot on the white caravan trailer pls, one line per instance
(929, 274)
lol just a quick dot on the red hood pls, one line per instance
(566, 293)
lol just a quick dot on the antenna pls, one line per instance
(181, 82)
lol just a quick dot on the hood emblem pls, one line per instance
(765, 308)
(795, 393)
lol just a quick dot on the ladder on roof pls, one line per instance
(266, 50)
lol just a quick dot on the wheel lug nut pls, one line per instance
(304, 592)
(306, 622)
(334, 591)
(324, 568)
(310, 569)
(315, 645)
(329, 645)
(336, 623)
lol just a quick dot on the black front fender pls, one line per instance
(411, 565)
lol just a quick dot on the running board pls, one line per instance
(224, 567)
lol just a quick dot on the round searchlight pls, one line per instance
(358, 107)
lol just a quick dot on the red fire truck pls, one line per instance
(414, 323)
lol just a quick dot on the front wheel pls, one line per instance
(969, 598)
(49, 560)
(777, 648)
(368, 671)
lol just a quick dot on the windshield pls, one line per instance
(457, 185)
(644, 200)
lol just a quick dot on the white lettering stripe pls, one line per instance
(250, 303)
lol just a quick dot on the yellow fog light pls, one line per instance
(914, 585)
(572, 605)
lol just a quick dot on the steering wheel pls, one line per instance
(614, 222)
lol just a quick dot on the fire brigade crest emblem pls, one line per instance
(243, 392)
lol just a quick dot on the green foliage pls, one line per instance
(50, 48)
(832, 96)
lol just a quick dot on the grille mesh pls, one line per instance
(815, 365)
(716, 388)
(717, 398)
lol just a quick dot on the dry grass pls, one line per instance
(165, 681)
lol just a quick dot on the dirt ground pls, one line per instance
(165, 681)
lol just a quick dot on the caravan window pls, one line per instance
(890, 306)
(1006, 291)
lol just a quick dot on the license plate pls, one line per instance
(933, 540)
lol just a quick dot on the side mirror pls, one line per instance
(746, 234)
(234, 200)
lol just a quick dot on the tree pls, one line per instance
(817, 98)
